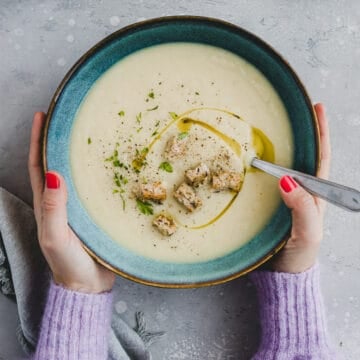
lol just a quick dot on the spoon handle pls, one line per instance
(342, 196)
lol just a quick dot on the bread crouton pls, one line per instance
(186, 196)
(165, 224)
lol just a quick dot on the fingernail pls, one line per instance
(288, 184)
(52, 181)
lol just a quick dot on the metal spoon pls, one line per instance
(342, 196)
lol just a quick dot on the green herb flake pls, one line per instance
(123, 179)
(138, 117)
(151, 95)
(139, 129)
(123, 202)
(173, 115)
(117, 163)
(166, 166)
(197, 93)
(145, 207)
(154, 133)
(183, 135)
(121, 113)
(154, 108)
(114, 156)
(89, 140)
(115, 191)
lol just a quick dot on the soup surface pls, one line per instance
(226, 112)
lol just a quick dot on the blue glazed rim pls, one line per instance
(123, 42)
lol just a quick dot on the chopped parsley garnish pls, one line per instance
(120, 192)
(156, 128)
(120, 180)
(183, 135)
(89, 140)
(173, 115)
(151, 95)
(114, 156)
(121, 113)
(117, 163)
(145, 207)
(123, 201)
(197, 93)
(154, 108)
(138, 117)
(124, 179)
(139, 129)
(166, 166)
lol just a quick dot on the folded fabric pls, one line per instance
(25, 276)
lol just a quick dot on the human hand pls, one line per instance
(71, 266)
(300, 252)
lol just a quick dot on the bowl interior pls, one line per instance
(177, 29)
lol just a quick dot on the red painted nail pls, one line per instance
(288, 184)
(52, 181)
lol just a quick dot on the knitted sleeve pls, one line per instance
(292, 316)
(75, 326)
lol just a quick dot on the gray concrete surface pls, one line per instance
(40, 40)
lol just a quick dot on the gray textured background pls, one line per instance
(40, 40)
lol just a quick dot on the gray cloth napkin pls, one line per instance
(24, 275)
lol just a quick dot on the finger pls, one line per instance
(34, 162)
(295, 197)
(54, 230)
(325, 148)
(303, 208)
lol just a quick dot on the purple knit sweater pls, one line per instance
(75, 325)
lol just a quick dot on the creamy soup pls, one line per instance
(227, 111)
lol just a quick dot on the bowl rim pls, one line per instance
(185, 18)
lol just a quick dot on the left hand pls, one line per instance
(71, 265)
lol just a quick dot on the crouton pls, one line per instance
(186, 196)
(175, 147)
(165, 224)
(197, 175)
(154, 191)
(227, 180)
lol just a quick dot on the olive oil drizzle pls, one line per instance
(214, 219)
(261, 143)
(185, 123)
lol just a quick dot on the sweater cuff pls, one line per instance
(75, 325)
(291, 311)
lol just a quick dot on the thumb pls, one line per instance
(54, 218)
(301, 203)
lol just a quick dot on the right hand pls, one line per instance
(70, 264)
(300, 251)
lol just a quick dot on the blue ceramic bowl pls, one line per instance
(115, 47)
